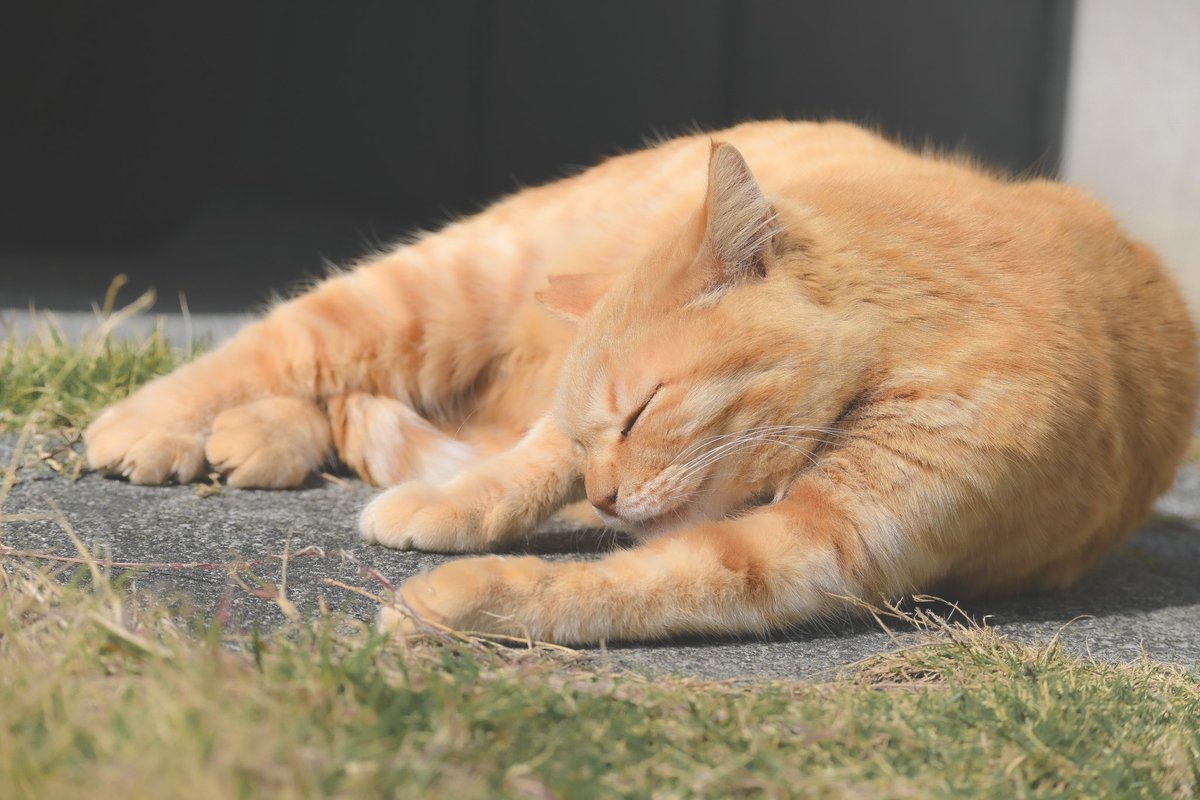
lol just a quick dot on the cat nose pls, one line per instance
(607, 503)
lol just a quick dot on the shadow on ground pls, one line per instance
(224, 555)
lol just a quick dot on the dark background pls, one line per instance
(227, 148)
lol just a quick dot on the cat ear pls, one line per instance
(741, 223)
(572, 296)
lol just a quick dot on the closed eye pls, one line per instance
(633, 418)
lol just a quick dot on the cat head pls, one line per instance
(700, 380)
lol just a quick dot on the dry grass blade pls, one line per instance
(129, 637)
(107, 693)
(451, 715)
(10, 471)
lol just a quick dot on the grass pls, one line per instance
(100, 697)
(104, 692)
(50, 388)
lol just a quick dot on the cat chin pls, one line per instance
(610, 520)
(658, 525)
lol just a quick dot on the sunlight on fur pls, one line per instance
(795, 361)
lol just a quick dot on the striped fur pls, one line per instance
(823, 366)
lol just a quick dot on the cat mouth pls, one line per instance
(663, 521)
(658, 523)
(643, 526)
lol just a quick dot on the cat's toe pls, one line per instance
(468, 594)
(110, 436)
(415, 516)
(396, 621)
(125, 443)
(104, 442)
(160, 456)
(387, 520)
(378, 525)
(270, 444)
(447, 596)
(415, 608)
(269, 468)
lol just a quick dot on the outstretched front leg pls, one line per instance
(776, 566)
(422, 324)
(395, 328)
(488, 506)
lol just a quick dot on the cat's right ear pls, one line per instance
(572, 296)
(741, 224)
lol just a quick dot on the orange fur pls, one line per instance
(826, 366)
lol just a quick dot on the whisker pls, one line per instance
(803, 429)
(762, 429)
(709, 456)
(681, 495)
(744, 440)
(730, 444)
(702, 443)
(744, 444)
(754, 435)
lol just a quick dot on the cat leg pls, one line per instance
(273, 443)
(777, 566)
(396, 327)
(489, 505)
(386, 442)
(276, 442)
(421, 324)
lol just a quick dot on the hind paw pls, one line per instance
(274, 443)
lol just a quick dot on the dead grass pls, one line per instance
(51, 387)
(104, 696)
(105, 693)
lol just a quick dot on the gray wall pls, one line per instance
(1133, 123)
(229, 147)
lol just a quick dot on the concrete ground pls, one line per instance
(1144, 600)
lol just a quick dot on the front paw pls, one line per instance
(130, 441)
(475, 595)
(420, 516)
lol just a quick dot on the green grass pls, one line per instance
(67, 385)
(101, 698)
(103, 692)
(50, 387)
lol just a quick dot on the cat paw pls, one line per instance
(419, 516)
(396, 621)
(477, 595)
(273, 443)
(126, 440)
(441, 598)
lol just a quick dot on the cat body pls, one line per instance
(797, 366)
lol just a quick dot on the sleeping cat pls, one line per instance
(797, 364)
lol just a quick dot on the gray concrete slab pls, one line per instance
(205, 329)
(1145, 599)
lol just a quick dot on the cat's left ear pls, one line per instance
(742, 226)
(572, 296)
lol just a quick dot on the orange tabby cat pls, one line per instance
(877, 373)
